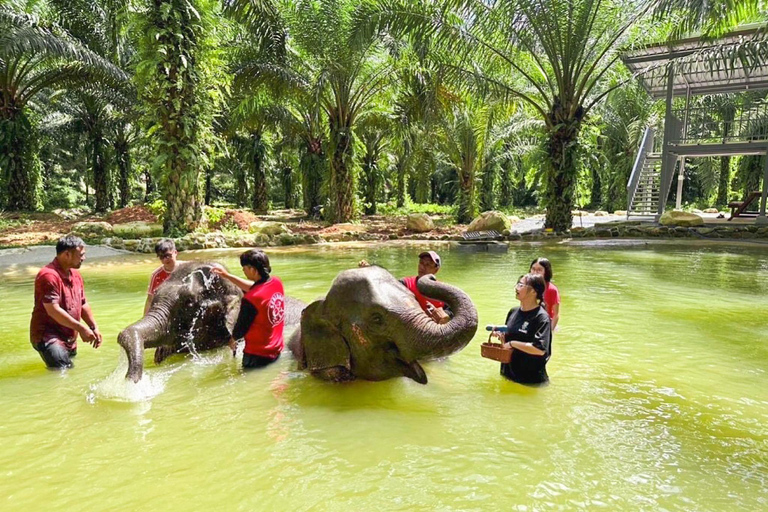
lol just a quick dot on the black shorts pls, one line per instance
(56, 353)
(254, 361)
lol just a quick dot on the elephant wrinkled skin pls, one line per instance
(371, 327)
(193, 310)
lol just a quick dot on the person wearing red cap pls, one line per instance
(429, 263)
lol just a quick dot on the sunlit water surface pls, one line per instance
(658, 399)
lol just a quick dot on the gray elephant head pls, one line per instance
(193, 309)
(370, 326)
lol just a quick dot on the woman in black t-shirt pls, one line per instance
(528, 333)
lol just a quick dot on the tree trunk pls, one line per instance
(312, 166)
(505, 183)
(488, 195)
(402, 169)
(149, 187)
(287, 172)
(123, 157)
(561, 169)
(208, 186)
(342, 182)
(100, 171)
(260, 197)
(596, 194)
(19, 163)
(370, 183)
(466, 212)
(724, 180)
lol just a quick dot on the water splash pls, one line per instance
(116, 387)
(207, 279)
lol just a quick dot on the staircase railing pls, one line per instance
(646, 145)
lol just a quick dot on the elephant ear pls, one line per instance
(324, 347)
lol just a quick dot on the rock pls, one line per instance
(711, 210)
(285, 239)
(601, 213)
(697, 211)
(92, 229)
(490, 220)
(268, 228)
(114, 242)
(147, 245)
(674, 218)
(705, 231)
(419, 223)
(73, 213)
(622, 213)
(513, 219)
(137, 230)
(130, 245)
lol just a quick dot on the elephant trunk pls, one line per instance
(135, 337)
(432, 340)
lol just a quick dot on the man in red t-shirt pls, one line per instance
(262, 310)
(429, 263)
(166, 253)
(60, 305)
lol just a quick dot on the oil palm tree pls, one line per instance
(372, 131)
(36, 54)
(551, 56)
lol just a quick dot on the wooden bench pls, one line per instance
(738, 208)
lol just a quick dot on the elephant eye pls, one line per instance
(376, 319)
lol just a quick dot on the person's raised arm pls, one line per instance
(241, 283)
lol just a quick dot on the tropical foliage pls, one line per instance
(339, 106)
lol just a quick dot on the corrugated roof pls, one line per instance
(734, 62)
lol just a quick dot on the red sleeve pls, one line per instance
(49, 286)
(554, 294)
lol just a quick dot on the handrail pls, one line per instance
(634, 178)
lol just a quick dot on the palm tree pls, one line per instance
(177, 76)
(372, 131)
(35, 55)
(551, 56)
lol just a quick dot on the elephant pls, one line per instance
(193, 310)
(370, 326)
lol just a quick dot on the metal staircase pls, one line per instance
(644, 187)
(645, 200)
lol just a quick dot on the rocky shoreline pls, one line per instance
(626, 229)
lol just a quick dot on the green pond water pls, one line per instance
(658, 399)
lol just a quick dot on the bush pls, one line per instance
(391, 208)
(157, 207)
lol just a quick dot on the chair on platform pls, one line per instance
(738, 208)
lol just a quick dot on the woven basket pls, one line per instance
(496, 351)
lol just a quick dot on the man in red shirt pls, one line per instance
(429, 263)
(166, 253)
(262, 310)
(60, 305)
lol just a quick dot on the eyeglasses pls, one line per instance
(165, 256)
(521, 285)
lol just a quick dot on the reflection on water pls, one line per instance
(657, 399)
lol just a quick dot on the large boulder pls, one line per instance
(601, 213)
(268, 228)
(490, 220)
(684, 219)
(92, 229)
(419, 223)
(711, 210)
(137, 229)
